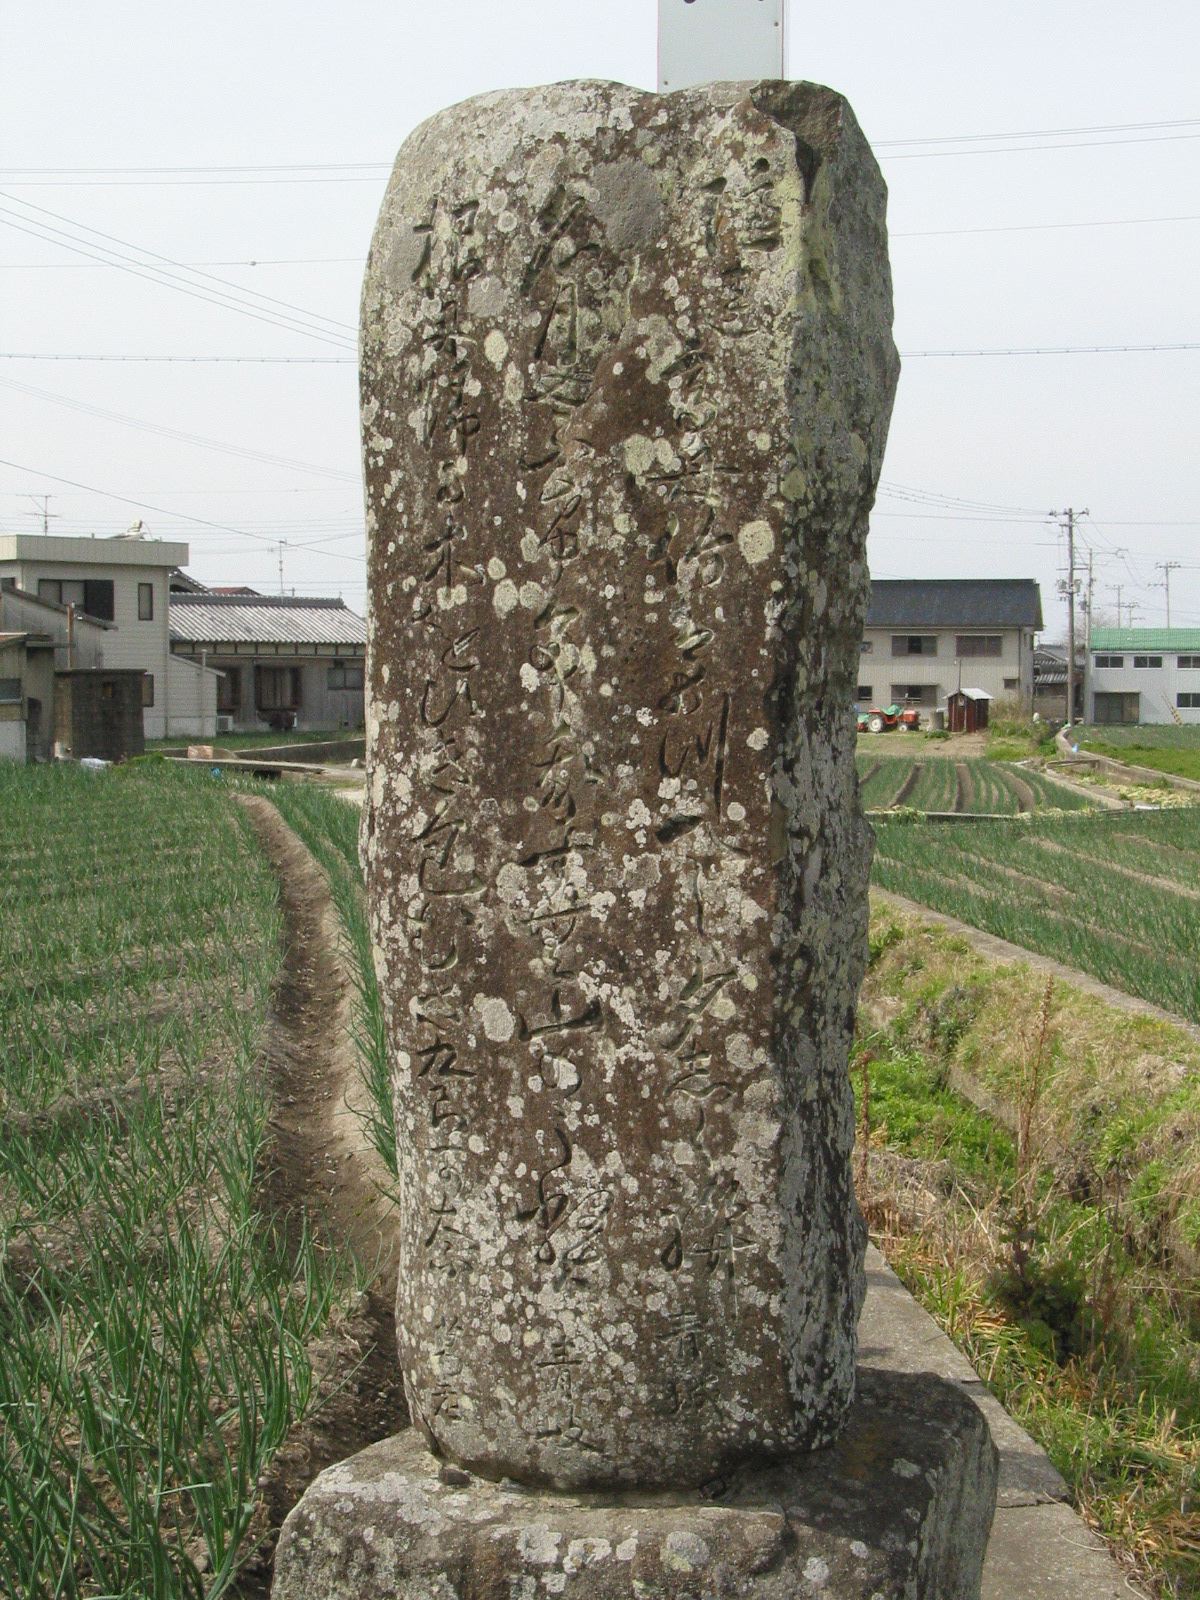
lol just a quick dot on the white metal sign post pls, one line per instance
(715, 41)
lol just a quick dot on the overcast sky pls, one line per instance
(271, 128)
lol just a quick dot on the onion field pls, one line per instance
(971, 786)
(1115, 895)
(153, 1319)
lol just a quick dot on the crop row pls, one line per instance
(976, 786)
(1081, 889)
(153, 1322)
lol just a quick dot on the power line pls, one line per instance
(1053, 350)
(1027, 133)
(189, 183)
(320, 261)
(142, 426)
(906, 491)
(258, 261)
(142, 505)
(1040, 227)
(291, 325)
(287, 166)
(1020, 149)
(365, 171)
(235, 293)
(334, 361)
(384, 167)
(286, 361)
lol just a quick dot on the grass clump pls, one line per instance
(1168, 748)
(1087, 1333)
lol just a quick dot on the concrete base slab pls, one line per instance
(1040, 1549)
(898, 1509)
(1045, 1552)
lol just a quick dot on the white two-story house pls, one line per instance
(122, 581)
(926, 638)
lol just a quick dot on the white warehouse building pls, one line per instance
(1144, 675)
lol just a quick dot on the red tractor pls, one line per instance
(887, 719)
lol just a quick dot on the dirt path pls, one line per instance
(325, 1169)
(1026, 800)
(906, 788)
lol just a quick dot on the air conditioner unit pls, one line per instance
(224, 723)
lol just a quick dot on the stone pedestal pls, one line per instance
(627, 374)
(898, 1509)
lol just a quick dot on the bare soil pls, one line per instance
(324, 1169)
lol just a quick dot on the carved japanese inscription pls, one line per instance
(627, 372)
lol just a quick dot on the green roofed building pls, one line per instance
(1144, 675)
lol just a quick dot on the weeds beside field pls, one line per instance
(1114, 895)
(1165, 748)
(153, 1322)
(1058, 1245)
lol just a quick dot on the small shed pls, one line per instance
(98, 712)
(967, 710)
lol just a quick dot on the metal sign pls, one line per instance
(714, 41)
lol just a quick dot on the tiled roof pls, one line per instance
(263, 619)
(955, 603)
(1185, 639)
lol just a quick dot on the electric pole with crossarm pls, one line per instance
(1066, 521)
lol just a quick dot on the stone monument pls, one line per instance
(627, 372)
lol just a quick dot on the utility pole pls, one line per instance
(281, 566)
(1066, 521)
(1166, 568)
(1119, 588)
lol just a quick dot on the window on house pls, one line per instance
(1012, 685)
(147, 688)
(1147, 661)
(93, 595)
(865, 647)
(1116, 707)
(1108, 661)
(978, 644)
(863, 693)
(344, 675)
(1187, 661)
(229, 690)
(10, 689)
(915, 694)
(1188, 701)
(145, 602)
(277, 688)
(914, 644)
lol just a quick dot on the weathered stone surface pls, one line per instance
(627, 372)
(898, 1509)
